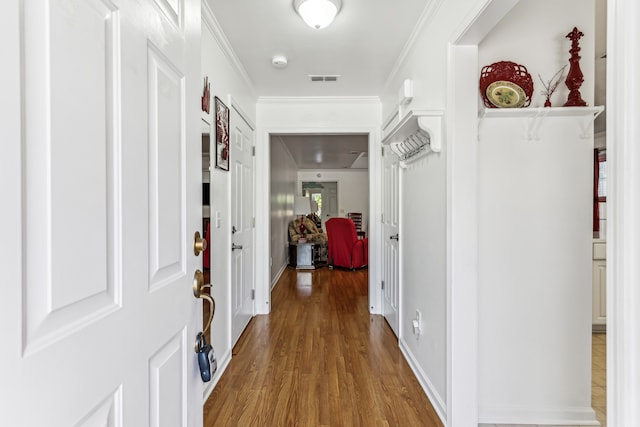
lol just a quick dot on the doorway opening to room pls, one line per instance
(332, 171)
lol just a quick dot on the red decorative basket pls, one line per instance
(506, 84)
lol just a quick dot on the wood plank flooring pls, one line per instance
(319, 359)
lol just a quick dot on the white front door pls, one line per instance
(390, 228)
(101, 192)
(242, 222)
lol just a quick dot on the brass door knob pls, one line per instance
(198, 291)
(198, 284)
(199, 244)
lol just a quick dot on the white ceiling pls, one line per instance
(327, 151)
(361, 45)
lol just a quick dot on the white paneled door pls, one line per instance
(243, 222)
(329, 200)
(390, 234)
(101, 184)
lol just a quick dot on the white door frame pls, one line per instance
(263, 226)
(462, 219)
(623, 211)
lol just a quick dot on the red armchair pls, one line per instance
(345, 249)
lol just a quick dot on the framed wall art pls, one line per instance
(222, 135)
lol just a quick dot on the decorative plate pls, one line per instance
(506, 84)
(505, 94)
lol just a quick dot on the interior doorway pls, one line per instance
(341, 179)
(325, 194)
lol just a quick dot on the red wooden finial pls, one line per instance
(574, 78)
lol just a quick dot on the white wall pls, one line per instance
(534, 258)
(226, 80)
(423, 227)
(534, 232)
(283, 189)
(314, 115)
(424, 222)
(425, 62)
(353, 189)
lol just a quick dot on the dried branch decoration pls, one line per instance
(552, 84)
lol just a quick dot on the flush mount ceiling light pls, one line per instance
(317, 13)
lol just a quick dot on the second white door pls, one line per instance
(242, 222)
(390, 228)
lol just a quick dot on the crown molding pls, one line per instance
(210, 21)
(428, 12)
(267, 100)
(330, 171)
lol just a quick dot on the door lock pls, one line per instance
(199, 243)
(234, 246)
(396, 237)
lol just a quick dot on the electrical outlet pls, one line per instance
(417, 323)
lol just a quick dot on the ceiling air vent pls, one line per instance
(318, 78)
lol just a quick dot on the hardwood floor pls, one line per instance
(319, 359)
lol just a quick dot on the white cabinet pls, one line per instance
(599, 313)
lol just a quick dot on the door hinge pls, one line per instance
(253, 151)
(253, 294)
(382, 218)
(253, 222)
(382, 284)
(382, 151)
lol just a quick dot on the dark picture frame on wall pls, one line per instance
(222, 135)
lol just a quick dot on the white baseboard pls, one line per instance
(275, 280)
(434, 397)
(223, 364)
(569, 416)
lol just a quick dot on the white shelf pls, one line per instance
(537, 115)
(413, 127)
(541, 112)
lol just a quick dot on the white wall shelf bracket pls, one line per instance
(536, 117)
(416, 135)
